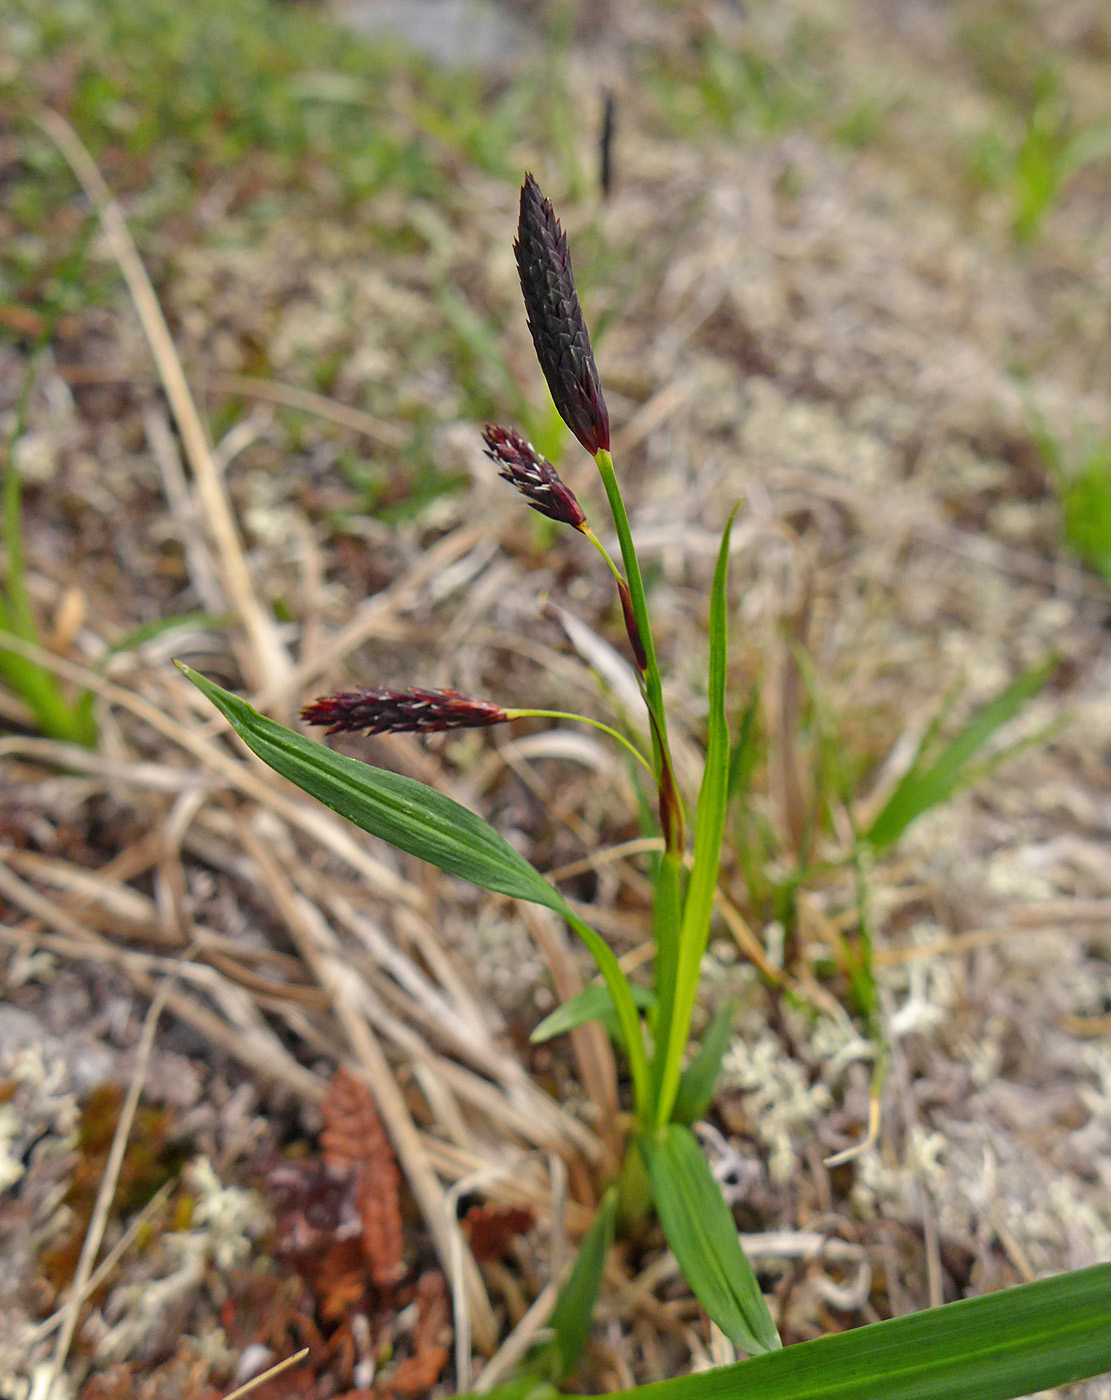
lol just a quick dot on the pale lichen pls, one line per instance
(777, 1097)
(227, 1220)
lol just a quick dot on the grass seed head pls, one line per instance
(556, 321)
(534, 476)
(401, 712)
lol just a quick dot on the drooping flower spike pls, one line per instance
(556, 321)
(417, 711)
(411, 711)
(534, 476)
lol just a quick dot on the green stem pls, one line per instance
(668, 901)
(39, 688)
(627, 1015)
(667, 921)
(681, 991)
(634, 1200)
(603, 551)
(653, 686)
(862, 974)
(37, 685)
(584, 719)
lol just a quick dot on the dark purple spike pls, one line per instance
(534, 476)
(556, 321)
(401, 712)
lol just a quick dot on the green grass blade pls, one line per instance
(926, 785)
(620, 990)
(997, 1347)
(424, 823)
(41, 691)
(409, 815)
(746, 752)
(520, 1388)
(700, 1078)
(573, 1313)
(667, 925)
(593, 1003)
(698, 906)
(701, 1232)
(139, 636)
(1085, 495)
(482, 347)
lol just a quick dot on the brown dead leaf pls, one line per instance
(353, 1138)
(490, 1229)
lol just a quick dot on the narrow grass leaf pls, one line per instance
(196, 621)
(424, 823)
(593, 1003)
(409, 815)
(620, 990)
(926, 785)
(700, 1078)
(41, 691)
(519, 1388)
(746, 751)
(703, 1236)
(667, 926)
(713, 800)
(997, 1347)
(573, 1313)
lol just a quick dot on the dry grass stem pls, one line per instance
(266, 647)
(269, 1374)
(516, 1345)
(593, 1050)
(103, 1270)
(251, 778)
(184, 511)
(373, 615)
(316, 944)
(248, 387)
(99, 1220)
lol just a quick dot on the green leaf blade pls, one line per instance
(996, 1347)
(423, 822)
(926, 785)
(713, 802)
(593, 1003)
(701, 1232)
(700, 1078)
(409, 815)
(573, 1314)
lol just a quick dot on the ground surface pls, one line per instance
(855, 269)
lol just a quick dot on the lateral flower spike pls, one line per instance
(401, 712)
(534, 476)
(556, 321)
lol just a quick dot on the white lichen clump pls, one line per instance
(778, 1099)
(226, 1222)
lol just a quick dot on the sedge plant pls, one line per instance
(664, 1166)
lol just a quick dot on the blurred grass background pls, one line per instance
(215, 122)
